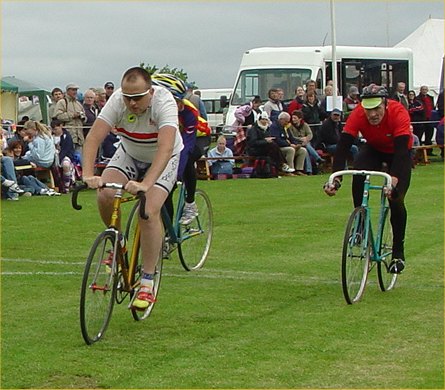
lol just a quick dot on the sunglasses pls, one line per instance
(137, 96)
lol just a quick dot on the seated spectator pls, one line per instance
(293, 151)
(312, 113)
(329, 134)
(261, 144)
(273, 106)
(28, 183)
(9, 179)
(15, 151)
(109, 145)
(303, 134)
(41, 145)
(221, 166)
(20, 135)
(64, 154)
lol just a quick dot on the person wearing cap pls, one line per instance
(71, 113)
(109, 89)
(147, 159)
(330, 132)
(351, 101)
(385, 125)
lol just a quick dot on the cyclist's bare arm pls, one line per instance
(95, 137)
(166, 141)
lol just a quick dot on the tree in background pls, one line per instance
(166, 69)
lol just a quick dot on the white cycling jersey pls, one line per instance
(139, 133)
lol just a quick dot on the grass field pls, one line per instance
(267, 310)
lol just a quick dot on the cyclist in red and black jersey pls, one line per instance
(385, 125)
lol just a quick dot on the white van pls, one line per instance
(289, 67)
(215, 100)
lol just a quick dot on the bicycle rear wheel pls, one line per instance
(132, 234)
(387, 280)
(98, 291)
(355, 257)
(195, 238)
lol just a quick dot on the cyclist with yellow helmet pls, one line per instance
(189, 124)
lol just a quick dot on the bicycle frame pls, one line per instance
(375, 241)
(172, 227)
(126, 267)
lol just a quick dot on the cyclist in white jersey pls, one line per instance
(146, 119)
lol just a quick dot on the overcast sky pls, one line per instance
(53, 43)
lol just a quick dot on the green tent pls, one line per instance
(9, 101)
(28, 89)
(5, 86)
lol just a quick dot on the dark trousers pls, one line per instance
(371, 159)
(271, 150)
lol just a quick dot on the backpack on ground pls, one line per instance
(263, 169)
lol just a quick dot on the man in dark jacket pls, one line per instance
(329, 134)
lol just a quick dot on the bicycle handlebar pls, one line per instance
(115, 186)
(388, 179)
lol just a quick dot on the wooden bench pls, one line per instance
(43, 174)
(422, 153)
(203, 167)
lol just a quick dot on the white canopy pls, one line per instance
(427, 44)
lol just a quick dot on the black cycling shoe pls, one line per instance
(396, 266)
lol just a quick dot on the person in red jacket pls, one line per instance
(385, 125)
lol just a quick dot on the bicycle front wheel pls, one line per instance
(133, 236)
(98, 291)
(387, 280)
(355, 257)
(195, 238)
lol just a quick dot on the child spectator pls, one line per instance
(64, 153)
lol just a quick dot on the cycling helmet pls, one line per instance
(373, 96)
(173, 83)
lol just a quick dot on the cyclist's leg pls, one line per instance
(189, 180)
(367, 159)
(152, 231)
(398, 212)
(152, 228)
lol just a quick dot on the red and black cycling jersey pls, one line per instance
(396, 122)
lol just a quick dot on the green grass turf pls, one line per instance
(266, 311)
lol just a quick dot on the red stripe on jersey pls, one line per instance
(141, 136)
